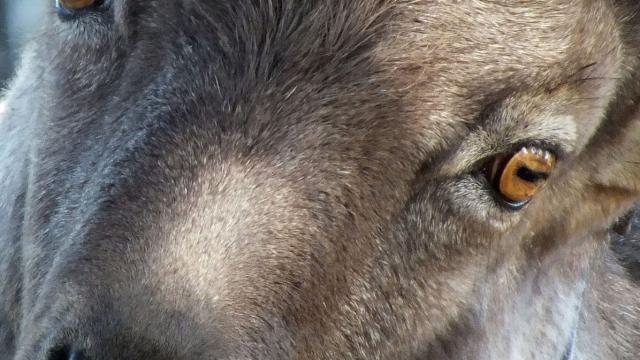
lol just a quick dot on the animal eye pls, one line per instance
(75, 4)
(519, 177)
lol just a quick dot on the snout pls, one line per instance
(200, 277)
(115, 333)
(65, 353)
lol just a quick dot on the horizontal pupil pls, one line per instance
(529, 175)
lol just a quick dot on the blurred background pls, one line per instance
(18, 20)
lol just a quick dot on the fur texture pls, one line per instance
(302, 179)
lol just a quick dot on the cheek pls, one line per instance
(466, 207)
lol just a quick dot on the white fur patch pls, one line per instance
(564, 127)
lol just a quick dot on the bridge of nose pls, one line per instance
(187, 279)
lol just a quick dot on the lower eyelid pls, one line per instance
(67, 14)
(472, 195)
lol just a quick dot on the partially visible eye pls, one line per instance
(519, 177)
(75, 4)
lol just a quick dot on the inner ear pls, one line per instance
(622, 226)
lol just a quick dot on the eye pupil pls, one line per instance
(529, 175)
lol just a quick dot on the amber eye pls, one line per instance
(519, 177)
(75, 4)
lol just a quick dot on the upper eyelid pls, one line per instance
(472, 157)
(505, 127)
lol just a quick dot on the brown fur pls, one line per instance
(302, 180)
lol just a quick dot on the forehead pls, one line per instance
(295, 63)
(461, 56)
(460, 45)
(478, 46)
(503, 37)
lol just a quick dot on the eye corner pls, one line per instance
(493, 193)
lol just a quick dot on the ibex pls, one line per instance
(323, 179)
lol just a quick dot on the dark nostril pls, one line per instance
(65, 353)
(61, 353)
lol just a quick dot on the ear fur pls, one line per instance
(603, 182)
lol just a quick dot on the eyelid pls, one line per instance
(66, 14)
(554, 149)
(473, 157)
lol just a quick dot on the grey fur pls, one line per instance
(300, 179)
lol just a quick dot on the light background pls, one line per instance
(19, 21)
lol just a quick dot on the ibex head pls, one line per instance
(338, 179)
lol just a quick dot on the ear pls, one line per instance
(611, 162)
(601, 183)
(612, 169)
(615, 153)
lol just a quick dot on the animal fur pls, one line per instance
(301, 179)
